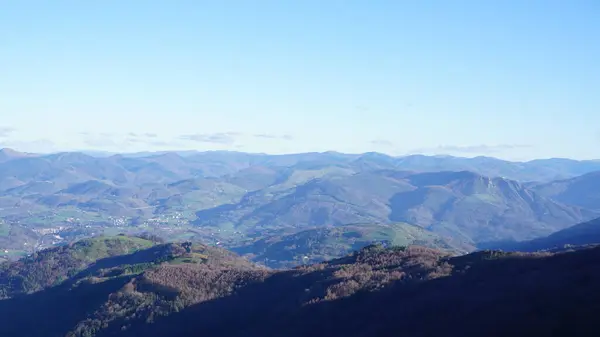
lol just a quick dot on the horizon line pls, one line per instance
(91, 152)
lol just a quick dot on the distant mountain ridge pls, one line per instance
(583, 234)
(10, 154)
(458, 204)
(236, 199)
(534, 170)
(583, 191)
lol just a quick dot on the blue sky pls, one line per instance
(512, 79)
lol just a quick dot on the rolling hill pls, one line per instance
(185, 290)
(236, 199)
(53, 266)
(324, 243)
(463, 205)
(64, 288)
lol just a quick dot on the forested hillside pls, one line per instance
(190, 290)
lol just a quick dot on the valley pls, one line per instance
(286, 210)
(320, 244)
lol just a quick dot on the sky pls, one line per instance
(511, 79)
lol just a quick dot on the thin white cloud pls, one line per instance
(273, 136)
(226, 138)
(33, 146)
(130, 140)
(381, 142)
(101, 142)
(6, 131)
(482, 148)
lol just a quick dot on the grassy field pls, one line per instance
(103, 246)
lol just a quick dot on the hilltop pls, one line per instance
(103, 257)
(7, 154)
(180, 290)
(62, 288)
(324, 243)
(53, 266)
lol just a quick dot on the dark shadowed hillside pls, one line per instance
(186, 290)
(65, 289)
(414, 292)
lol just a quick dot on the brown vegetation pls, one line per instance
(412, 291)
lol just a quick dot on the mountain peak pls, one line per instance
(7, 150)
(71, 157)
(7, 154)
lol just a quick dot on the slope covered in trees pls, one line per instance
(194, 290)
(99, 283)
(52, 266)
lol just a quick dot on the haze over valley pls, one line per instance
(285, 210)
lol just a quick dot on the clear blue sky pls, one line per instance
(515, 79)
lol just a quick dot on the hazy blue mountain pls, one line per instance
(583, 191)
(233, 197)
(463, 205)
(536, 170)
(10, 154)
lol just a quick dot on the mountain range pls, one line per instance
(268, 206)
(319, 244)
